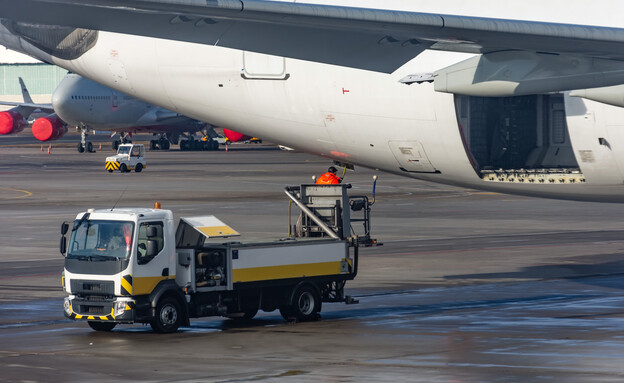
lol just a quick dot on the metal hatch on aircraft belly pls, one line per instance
(411, 156)
(210, 226)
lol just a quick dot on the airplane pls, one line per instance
(87, 105)
(512, 97)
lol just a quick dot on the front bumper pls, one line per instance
(121, 310)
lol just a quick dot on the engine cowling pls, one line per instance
(11, 121)
(235, 136)
(49, 128)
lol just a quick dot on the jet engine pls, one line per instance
(235, 136)
(11, 121)
(49, 128)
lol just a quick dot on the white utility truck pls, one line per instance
(131, 265)
(129, 157)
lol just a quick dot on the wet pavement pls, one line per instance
(468, 287)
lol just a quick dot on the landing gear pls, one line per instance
(162, 143)
(84, 145)
(192, 144)
(124, 138)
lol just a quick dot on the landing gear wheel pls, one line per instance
(138, 168)
(168, 316)
(80, 148)
(123, 168)
(102, 326)
(90, 147)
(184, 145)
(306, 305)
(116, 144)
(153, 145)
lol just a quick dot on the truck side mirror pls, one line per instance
(63, 245)
(152, 248)
(64, 228)
(151, 231)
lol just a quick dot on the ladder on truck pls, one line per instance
(329, 211)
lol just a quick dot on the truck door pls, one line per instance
(151, 270)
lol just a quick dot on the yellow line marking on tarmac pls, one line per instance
(26, 193)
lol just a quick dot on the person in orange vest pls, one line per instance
(330, 177)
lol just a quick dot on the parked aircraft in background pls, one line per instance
(474, 94)
(87, 105)
(233, 136)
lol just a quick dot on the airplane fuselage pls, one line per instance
(81, 102)
(573, 148)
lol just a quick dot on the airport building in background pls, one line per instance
(40, 78)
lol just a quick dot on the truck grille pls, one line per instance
(83, 307)
(92, 287)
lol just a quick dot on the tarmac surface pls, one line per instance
(468, 286)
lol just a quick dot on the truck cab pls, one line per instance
(129, 157)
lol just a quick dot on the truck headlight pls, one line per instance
(120, 308)
(67, 306)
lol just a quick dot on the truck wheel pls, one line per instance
(138, 168)
(305, 305)
(168, 316)
(123, 168)
(102, 326)
(249, 314)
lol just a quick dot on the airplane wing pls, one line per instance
(371, 39)
(42, 107)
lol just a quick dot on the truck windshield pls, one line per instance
(101, 239)
(123, 150)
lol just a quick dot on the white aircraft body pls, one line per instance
(516, 97)
(87, 105)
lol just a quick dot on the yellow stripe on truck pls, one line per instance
(145, 285)
(254, 274)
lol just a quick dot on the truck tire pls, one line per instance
(102, 326)
(305, 305)
(138, 168)
(123, 168)
(249, 314)
(168, 316)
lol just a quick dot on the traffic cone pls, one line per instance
(226, 147)
(49, 148)
(100, 147)
(42, 148)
